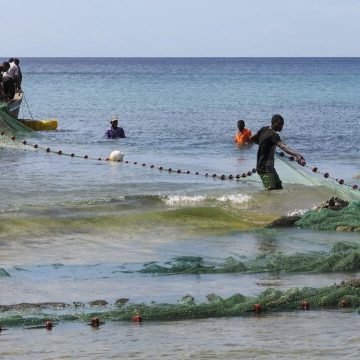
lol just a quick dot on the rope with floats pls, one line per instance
(136, 163)
(179, 171)
(222, 177)
(315, 169)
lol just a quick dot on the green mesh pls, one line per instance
(347, 219)
(10, 125)
(3, 273)
(302, 175)
(346, 294)
(343, 256)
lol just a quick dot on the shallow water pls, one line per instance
(303, 335)
(76, 230)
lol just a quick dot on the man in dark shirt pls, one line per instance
(115, 131)
(18, 78)
(8, 85)
(268, 138)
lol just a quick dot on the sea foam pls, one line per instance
(178, 200)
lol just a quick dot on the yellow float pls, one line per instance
(40, 125)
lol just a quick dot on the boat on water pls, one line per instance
(11, 97)
(14, 106)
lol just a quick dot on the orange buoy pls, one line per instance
(137, 318)
(48, 324)
(257, 308)
(305, 305)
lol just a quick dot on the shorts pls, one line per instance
(271, 180)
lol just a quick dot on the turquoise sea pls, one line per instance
(75, 230)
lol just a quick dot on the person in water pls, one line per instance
(243, 135)
(268, 139)
(115, 131)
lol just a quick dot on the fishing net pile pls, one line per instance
(343, 216)
(347, 219)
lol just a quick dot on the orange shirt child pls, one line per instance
(242, 137)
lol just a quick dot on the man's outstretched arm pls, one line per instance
(254, 139)
(290, 151)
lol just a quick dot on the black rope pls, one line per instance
(27, 105)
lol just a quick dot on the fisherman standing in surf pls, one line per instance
(268, 138)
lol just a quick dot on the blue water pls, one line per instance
(79, 230)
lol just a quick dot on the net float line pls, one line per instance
(170, 170)
(222, 177)
(163, 169)
(49, 150)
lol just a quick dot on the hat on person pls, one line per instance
(113, 119)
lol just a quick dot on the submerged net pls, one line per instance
(343, 256)
(346, 294)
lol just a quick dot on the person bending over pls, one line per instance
(268, 139)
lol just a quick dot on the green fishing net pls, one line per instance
(343, 256)
(294, 173)
(346, 294)
(10, 125)
(347, 219)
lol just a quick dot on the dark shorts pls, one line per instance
(8, 86)
(271, 180)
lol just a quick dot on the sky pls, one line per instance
(180, 28)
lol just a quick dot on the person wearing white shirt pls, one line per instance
(13, 70)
